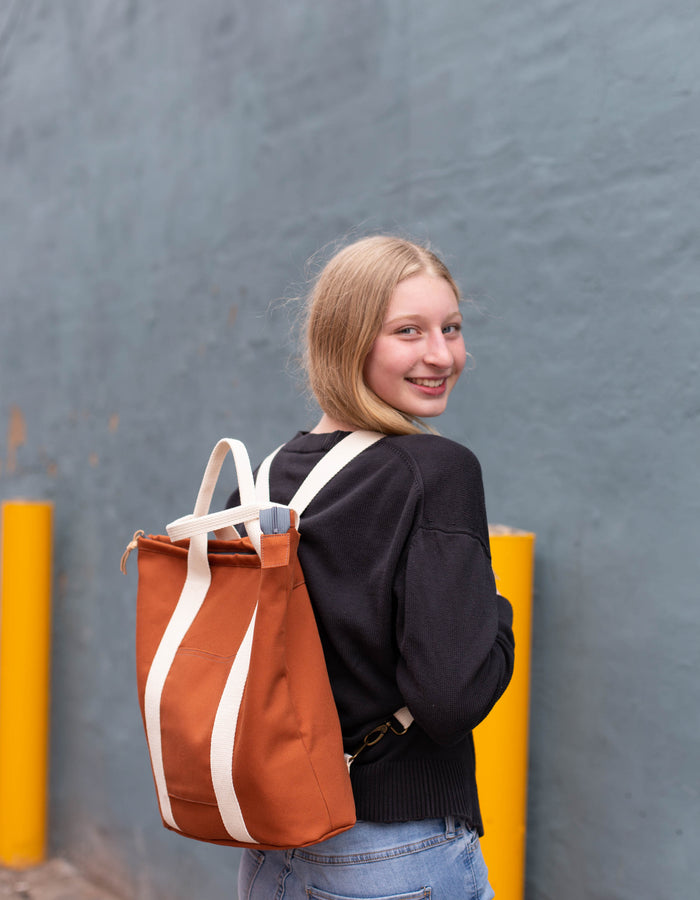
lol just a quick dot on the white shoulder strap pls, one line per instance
(262, 481)
(328, 467)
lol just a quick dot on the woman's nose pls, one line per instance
(437, 352)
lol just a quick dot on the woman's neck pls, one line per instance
(328, 424)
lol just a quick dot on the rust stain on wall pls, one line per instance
(50, 464)
(232, 313)
(113, 422)
(16, 436)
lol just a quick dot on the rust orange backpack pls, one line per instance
(242, 729)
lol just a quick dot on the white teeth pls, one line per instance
(428, 382)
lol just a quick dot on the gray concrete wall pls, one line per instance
(166, 168)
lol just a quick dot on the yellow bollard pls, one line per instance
(25, 625)
(502, 738)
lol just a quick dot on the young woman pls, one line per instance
(395, 552)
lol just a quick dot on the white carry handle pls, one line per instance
(201, 521)
(246, 485)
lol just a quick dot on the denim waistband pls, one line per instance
(395, 838)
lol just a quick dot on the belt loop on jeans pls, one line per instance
(450, 826)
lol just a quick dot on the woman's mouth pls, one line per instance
(431, 386)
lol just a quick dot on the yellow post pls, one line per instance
(502, 738)
(25, 625)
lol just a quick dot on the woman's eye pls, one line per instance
(455, 328)
(408, 329)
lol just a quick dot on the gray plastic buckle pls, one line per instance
(275, 520)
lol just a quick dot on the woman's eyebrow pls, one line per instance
(456, 314)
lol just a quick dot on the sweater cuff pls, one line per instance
(505, 611)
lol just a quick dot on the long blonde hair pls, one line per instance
(344, 314)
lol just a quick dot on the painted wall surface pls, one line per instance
(166, 169)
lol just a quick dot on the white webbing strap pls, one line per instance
(246, 485)
(404, 716)
(188, 525)
(191, 599)
(262, 482)
(223, 739)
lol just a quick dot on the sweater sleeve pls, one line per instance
(454, 632)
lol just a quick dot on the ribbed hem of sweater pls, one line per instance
(405, 790)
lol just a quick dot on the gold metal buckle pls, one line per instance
(374, 736)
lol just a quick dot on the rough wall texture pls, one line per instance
(166, 168)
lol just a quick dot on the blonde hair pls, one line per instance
(344, 314)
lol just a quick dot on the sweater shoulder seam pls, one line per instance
(408, 461)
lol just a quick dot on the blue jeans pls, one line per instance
(430, 859)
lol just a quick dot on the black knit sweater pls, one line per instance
(395, 553)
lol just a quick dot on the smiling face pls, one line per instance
(419, 354)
